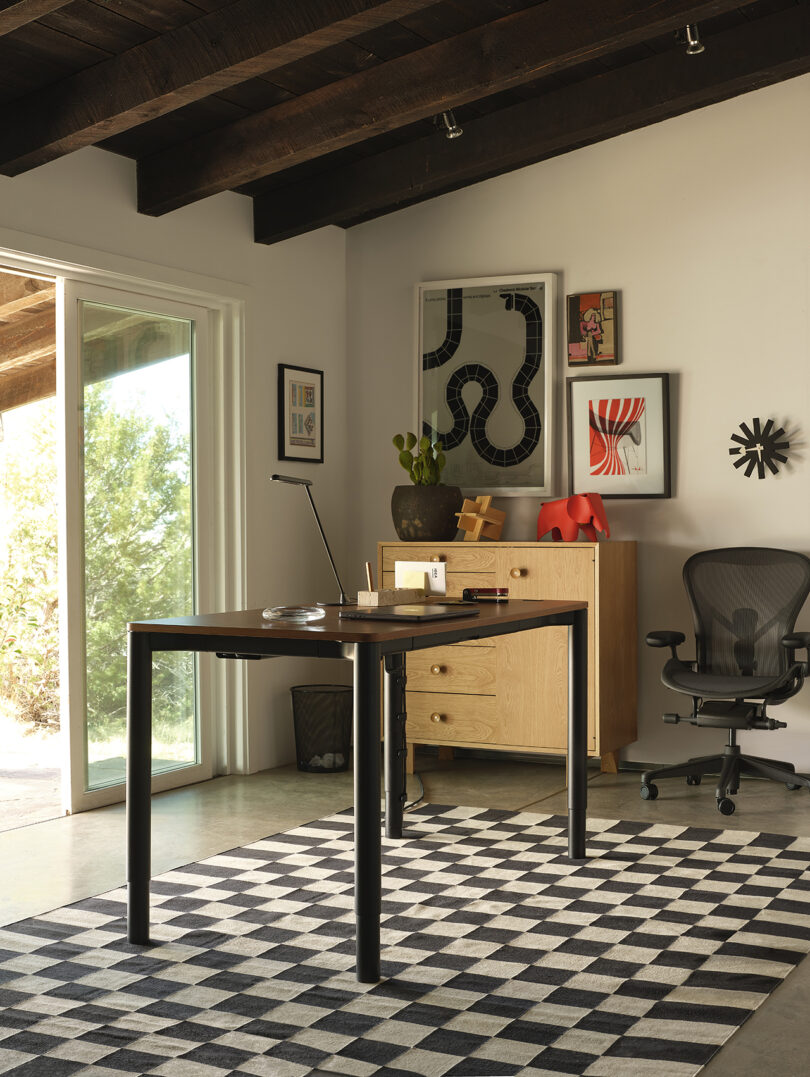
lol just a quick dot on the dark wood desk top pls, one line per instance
(250, 624)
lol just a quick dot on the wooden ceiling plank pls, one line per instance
(200, 58)
(17, 13)
(26, 386)
(498, 56)
(748, 57)
(25, 335)
(26, 302)
(16, 285)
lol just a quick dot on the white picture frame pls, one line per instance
(485, 365)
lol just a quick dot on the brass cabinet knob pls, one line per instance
(436, 717)
(437, 557)
(437, 669)
(516, 573)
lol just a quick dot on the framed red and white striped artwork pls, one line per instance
(618, 435)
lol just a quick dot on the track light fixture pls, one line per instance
(448, 121)
(691, 38)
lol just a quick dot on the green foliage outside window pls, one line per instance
(137, 564)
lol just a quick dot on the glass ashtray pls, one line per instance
(294, 614)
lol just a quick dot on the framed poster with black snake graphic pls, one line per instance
(486, 359)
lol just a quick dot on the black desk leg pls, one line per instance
(367, 842)
(395, 748)
(577, 733)
(139, 784)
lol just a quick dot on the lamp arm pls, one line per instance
(344, 600)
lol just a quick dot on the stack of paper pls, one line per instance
(427, 574)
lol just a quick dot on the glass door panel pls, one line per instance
(138, 536)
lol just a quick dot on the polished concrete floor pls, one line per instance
(53, 863)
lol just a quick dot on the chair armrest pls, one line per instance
(796, 641)
(665, 639)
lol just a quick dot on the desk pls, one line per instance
(368, 644)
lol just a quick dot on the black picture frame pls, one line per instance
(300, 413)
(637, 422)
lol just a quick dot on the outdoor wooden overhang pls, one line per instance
(27, 340)
(324, 111)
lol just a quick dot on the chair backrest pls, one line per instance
(744, 599)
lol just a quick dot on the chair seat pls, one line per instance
(682, 678)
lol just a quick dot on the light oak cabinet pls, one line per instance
(511, 693)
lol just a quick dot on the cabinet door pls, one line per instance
(539, 696)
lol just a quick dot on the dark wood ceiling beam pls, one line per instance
(497, 56)
(17, 13)
(210, 54)
(746, 58)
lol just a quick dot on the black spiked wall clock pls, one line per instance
(759, 448)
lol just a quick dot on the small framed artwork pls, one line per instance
(618, 435)
(300, 414)
(485, 373)
(593, 328)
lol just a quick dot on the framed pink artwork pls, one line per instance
(593, 328)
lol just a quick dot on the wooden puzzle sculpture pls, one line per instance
(479, 520)
(565, 517)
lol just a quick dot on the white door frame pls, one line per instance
(220, 496)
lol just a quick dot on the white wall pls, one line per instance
(82, 210)
(703, 224)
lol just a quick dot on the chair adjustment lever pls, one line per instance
(673, 719)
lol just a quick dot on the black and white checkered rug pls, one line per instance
(499, 956)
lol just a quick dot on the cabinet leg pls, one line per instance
(446, 753)
(409, 764)
(610, 763)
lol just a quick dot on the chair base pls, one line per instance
(730, 766)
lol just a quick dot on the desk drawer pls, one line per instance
(447, 718)
(458, 668)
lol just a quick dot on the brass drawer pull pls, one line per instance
(516, 573)
(437, 557)
(437, 669)
(436, 717)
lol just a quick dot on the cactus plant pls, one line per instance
(425, 465)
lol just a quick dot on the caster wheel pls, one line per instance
(726, 806)
(649, 792)
(693, 779)
(790, 785)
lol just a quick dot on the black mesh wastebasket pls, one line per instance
(322, 718)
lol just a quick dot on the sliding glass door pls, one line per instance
(133, 403)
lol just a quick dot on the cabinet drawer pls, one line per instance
(456, 581)
(561, 573)
(452, 669)
(438, 716)
(458, 556)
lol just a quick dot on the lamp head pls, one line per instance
(291, 479)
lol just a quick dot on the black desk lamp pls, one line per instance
(306, 483)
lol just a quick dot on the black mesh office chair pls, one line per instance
(745, 601)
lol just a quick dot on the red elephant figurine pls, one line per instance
(565, 517)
